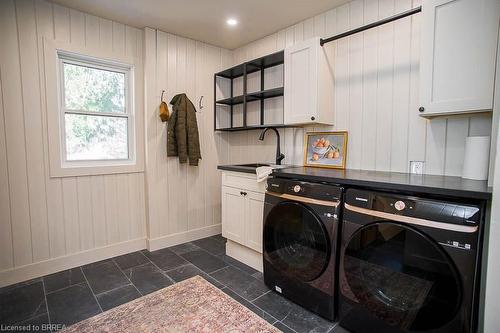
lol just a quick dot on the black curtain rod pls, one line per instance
(416, 10)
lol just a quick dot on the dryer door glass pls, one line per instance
(400, 276)
(296, 241)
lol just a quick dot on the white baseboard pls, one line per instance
(38, 269)
(245, 254)
(183, 237)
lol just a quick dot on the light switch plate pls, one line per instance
(417, 167)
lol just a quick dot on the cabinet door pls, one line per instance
(458, 51)
(233, 207)
(301, 82)
(254, 220)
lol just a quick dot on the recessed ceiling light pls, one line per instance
(232, 22)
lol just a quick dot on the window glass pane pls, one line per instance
(95, 137)
(92, 89)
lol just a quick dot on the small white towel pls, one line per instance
(263, 172)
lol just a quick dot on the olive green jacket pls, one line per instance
(182, 131)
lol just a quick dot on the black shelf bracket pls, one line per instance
(262, 100)
(232, 106)
(215, 101)
(415, 10)
(244, 95)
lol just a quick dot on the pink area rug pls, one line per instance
(193, 305)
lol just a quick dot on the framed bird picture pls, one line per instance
(325, 149)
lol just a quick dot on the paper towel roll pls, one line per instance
(476, 157)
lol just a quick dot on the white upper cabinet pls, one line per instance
(308, 88)
(458, 52)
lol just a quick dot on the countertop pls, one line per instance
(394, 181)
(247, 169)
(236, 168)
(425, 184)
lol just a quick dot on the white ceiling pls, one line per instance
(205, 20)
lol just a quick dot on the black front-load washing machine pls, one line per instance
(409, 264)
(301, 222)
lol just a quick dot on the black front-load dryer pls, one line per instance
(409, 264)
(300, 242)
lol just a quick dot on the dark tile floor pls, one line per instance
(70, 296)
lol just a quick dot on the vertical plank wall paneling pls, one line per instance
(43, 218)
(376, 95)
(183, 201)
(15, 140)
(6, 255)
(32, 125)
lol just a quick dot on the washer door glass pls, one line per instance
(400, 276)
(296, 241)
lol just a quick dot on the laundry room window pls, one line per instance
(97, 123)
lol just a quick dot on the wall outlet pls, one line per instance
(417, 167)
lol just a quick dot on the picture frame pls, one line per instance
(325, 149)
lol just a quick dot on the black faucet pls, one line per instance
(279, 155)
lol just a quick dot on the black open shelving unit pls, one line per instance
(243, 70)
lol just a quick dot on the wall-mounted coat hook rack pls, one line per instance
(200, 105)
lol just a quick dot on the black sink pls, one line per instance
(253, 165)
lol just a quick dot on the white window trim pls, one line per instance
(57, 53)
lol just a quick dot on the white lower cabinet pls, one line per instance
(242, 213)
(253, 220)
(233, 208)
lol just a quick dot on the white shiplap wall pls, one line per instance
(48, 223)
(376, 95)
(183, 201)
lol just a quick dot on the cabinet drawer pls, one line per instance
(243, 181)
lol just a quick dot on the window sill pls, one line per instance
(61, 172)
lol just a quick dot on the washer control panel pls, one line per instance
(304, 189)
(424, 208)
